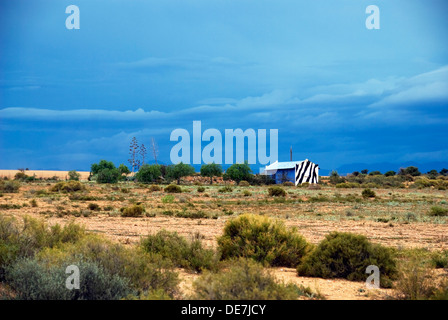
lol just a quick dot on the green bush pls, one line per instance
(185, 254)
(201, 189)
(263, 240)
(276, 191)
(288, 184)
(132, 211)
(346, 255)
(108, 176)
(244, 183)
(32, 280)
(168, 198)
(368, 193)
(94, 207)
(440, 259)
(225, 189)
(154, 188)
(70, 186)
(148, 173)
(238, 172)
(146, 272)
(73, 175)
(172, 188)
(245, 280)
(9, 186)
(247, 193)
(437, 211)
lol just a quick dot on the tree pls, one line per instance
(238, 172)
(124, 170)
(211, 170)
(432, 174)
(142, 153)
(148, 173)
(179, 170)
(133, 152)
(355, 173)
(73, 175)
(105, 172)
(413, 171)
(364, 171)
(390, 173)
(103, 164)
(335, 178)
(444, 172)
(154, 149)
(375, 173)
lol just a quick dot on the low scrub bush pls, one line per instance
(288, 184)
(201, 189)
(244, 183)
(437, 211)
(185, 254)
(440, 259)
(94, 207)
(168, 198)
(262, 239)
(276, 191)
(368, 193)
(33, 280)
(247, 193)
(9, 186)
(346, 255)
(154, 188)
(172, 188)
(245, 280)
(135, 210)
(69, 186)
(225, 189)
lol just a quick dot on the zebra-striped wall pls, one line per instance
(306, 171)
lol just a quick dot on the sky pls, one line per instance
(341, 95)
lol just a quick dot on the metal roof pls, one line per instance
(282, 165)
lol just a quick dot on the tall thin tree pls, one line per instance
(142, 153)
(154, 149)
(133, 151)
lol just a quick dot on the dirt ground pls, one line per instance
(314, 224)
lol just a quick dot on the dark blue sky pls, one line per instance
(336, 91)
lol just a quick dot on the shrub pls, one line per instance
(276, 191)
(32, 280)
(244, 183)
(178, 171)
(247, 193)
(132, 211)
(246, 280)
(154, 188)
(108, 176)
(263, 240)
(168, 198)
(288, 184)
(225, 189)
(70, 186)
(148, 173)
(9, 186)
(94, 207)
(172, 188)
(183, 253)
(368, 193)
(73, 175)
(201, 189)
(346, 255)
(437, 211)
(33, 203)
(440, 259)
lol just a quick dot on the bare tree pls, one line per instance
(154, 149)
(133, 151)
(142, 153)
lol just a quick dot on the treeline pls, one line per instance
(106, 172)
(410, 176)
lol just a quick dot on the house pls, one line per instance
(294, 171)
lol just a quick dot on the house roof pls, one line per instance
(282, 165)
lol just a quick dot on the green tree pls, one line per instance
(211, 170)
(364, 171)
(444, 172)
(432, 174)
(390, 173)
(238, 172)
(413, 171)
(105, 172)
(375, 173)
(103, 164)
(73, 175)
(177, 171)
(148, 173)
(335, 178)
(124, 169)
